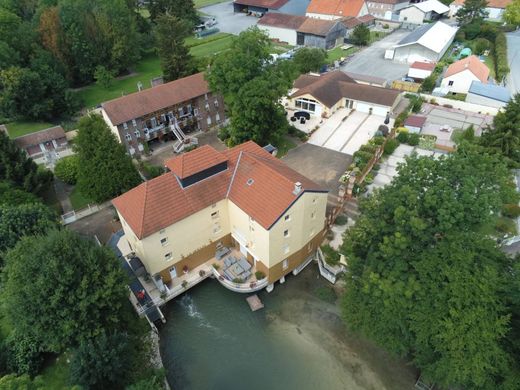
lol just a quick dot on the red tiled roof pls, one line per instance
(490, 3)
(317, 27)
(336, 7)
(423, 65)
(351, 21)
(415, 121)
(276, 19)
(473, 64)
(258, 183)
(271, 4)
(137, 104)
(40, 137)
(196, 161)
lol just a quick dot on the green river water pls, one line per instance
(213, 341)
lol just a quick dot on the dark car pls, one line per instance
(302, 114)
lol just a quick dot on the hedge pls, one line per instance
(501, 64)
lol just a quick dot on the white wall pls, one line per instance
(110, 125)
(282, 34)
(411, 15)
(477, 108)
(411, 53)
(419, 73)
(461, 81)
(495, 13)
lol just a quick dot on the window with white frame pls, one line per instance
(195, 111)
(306, 104)
(125, 126)
(216, 103)
(285, 264)
(208, 120)
(217, 117)
(164, 241)
(168, 256)
(214, 215)
(128, 137)
(207, 107)
(134, 123)
(287, 217)
(137, 133)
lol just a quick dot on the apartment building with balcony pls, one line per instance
(165, 112)
(242, 209)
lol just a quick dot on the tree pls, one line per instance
(361, 35)
(176, 60)
(24, 220)
(512, 13)
(103, 76)
(310, 59)
(105, 170)
(423, 281)
(102, 362)
(19, 170)
(428, 83)
(77, 289)
(181, 9)
(258, 115)
(504, 134)
(244, 61)
(12, 196)
(471, 12)
(13, 382)
(66, 169)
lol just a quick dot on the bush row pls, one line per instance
(500, 52)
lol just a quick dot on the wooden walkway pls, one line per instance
(254, 302)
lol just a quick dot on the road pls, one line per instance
(513, 55)
(371, 62)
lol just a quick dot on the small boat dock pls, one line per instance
(254, 302)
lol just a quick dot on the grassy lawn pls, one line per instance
(490, 62)
(51, 200)
(56, 375)
(338, 52)
(19, 128)
(147, 69)
(377, 35)
(205, 3)
(284, 146)
(78, 200)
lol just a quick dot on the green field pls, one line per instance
(205, 3)
(19, 128)
(149, 68)
(78, 200)
(338, 52)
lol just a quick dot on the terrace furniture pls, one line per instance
(221, 252)
(229, 275)
(244, 264)
(245, 275)
(229, 261)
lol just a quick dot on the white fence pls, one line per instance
(74, 215)
(457, 104)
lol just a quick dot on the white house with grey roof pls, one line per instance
(419, 13)
(426, 43)
(488, 95)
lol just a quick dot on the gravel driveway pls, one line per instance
(227, 20)
(370, 61)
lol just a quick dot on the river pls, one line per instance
(213, 341)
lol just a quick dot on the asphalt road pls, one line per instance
(513, 54)
(371, 62)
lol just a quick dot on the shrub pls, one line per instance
(216, 266)
(189, 148)
(341, 220)
(413, 139)
(428, 83)
(326, 294)
(368, 148)
(379, 140)
(503, 226)
(402, 137)
(500, 53)
(259, 275)
(151, 171)
(390, 146)
(23, 354)
(511, 210)
(369, 179)
(238, 280)
(332, 256)
(480, 45)
(362, 156)
(66, 169)
(223, 133)
(386, 26)
(399, 121)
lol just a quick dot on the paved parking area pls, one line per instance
(322, 165)
(371, 62)
(227, 20)
(345, 131)
(456, 119)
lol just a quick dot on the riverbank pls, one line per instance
(213, 341)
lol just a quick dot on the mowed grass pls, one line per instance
(148, 68)
(56, 375)
(19, 128)
(78, 200)
(205, 3)
(338, 52)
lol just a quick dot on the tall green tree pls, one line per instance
(182, 9)
(423, 281)
(361, 35)
(504, 134)
(176, 60)
(77, 289)
(19, 170)
(105, 170)
(512, 13)
(473, 11)
(309, 59)
(13, 196)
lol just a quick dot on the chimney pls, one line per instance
(297, 188)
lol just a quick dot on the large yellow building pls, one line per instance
(243, 204)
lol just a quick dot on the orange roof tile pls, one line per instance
(336, 7)
(423, 65)
(258, 183)
(196, 161)
(473, 64)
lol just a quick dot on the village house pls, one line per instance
(322, 95)
(241, 209)
(260, 7)
(426, 11)
(495, 8)
(487, 94)
(45, 146)
(419, 70)
(166, 112)
(336, 9)
(384, 9)
(461, 74)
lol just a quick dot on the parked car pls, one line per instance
(408, 79)
(302, 114)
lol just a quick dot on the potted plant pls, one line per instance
(202, 273)
(184, 284)
(252, 284)
(185, 269)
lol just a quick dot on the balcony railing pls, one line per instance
(246, 287)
